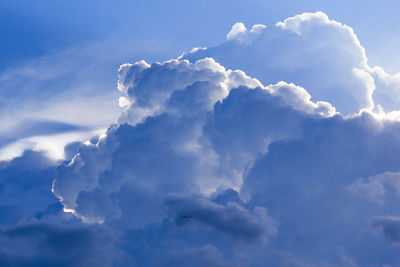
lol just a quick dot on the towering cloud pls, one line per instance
(272, 148)
(319, 54)
(310, 50)
(186, 131)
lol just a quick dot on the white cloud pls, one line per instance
(312, 51)
(51, 144)
(373, 188)
(233, 131)
(387, 94)
(242, 35)
(171, 120)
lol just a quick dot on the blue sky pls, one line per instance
(275, 141)
(32, 29)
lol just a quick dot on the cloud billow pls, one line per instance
(231, 219)
(170, 140)
(273, 144)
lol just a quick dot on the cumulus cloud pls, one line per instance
(223, 135)
(33, 229)
(387, 95)
(241, 34)
(171, 137)
(200, 137)
(313, 51)
(310, 50)
(304, 182)
(149, 87)
(231, 218)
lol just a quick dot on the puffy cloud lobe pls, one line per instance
(329, 152)
(298, 98)
(241, 34)
(232, 219)
(334, 142)
(387, 95)
(149, 87)
(312, 51)
(309, 50)
(98, 164)
(247, 121)
(304, 182)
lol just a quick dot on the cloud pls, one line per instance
(59, 245)
(28, 128)
(223, 135)
(207, 255)
(241, 34)
(149, 87)
(73, 84)
(387, 94)
(50, 144)
(24, 188)
(194, 132)
(33, 229)
(300, 50)
(375, 188)
(312, 51)
(231, 218)
(169, 137)
(387, 226)
(304, 182)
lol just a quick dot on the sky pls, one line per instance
(199, 133)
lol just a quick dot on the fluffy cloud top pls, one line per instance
(310, 50)
(223, 135)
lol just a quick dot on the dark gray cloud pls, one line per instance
(254, 225)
